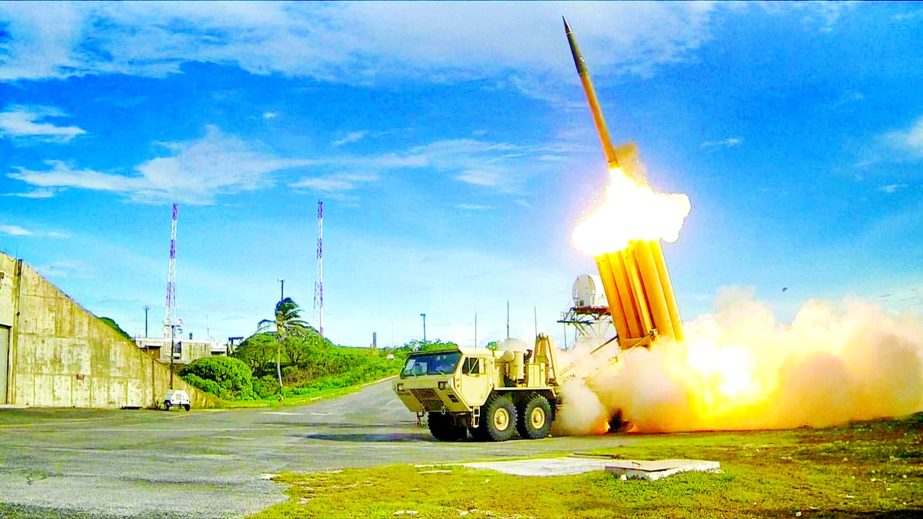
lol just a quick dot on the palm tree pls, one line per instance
(287, 322)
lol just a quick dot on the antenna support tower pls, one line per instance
(319, 282)
(169, 316)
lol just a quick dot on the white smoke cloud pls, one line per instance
(740, 369)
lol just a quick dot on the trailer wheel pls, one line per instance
(444, 429)
(498, 417)
(535, 418)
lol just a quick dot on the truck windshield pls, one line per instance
(431, 364)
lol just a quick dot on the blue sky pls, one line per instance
(454, 154)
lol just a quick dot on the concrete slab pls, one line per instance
(654, 470)
(570, 465)
(565, 466)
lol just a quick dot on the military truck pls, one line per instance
(491, 394)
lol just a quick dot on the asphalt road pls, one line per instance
(215, 463)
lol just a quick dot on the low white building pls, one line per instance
(184, 350)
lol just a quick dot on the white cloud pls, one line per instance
(347, 42)
(480, 177)
(350, 137)
(30, 122)
(35, 193)
(16, 230)
(907, 16)
(196, 172)
(908, 142)
(891, 188)
(730, 142)
(334, 183)
(270, 115)
(500, 166)
(219, 164)
(474, 207)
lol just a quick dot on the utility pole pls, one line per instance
(475, 329)
(281, 290)
(424, 327)
(507, 318)
(146, 310)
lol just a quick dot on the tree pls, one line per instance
(257, 350)
(287, 322)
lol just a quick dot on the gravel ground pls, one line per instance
(86, 463)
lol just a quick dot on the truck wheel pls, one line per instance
(498, 417)
(186, 406)
(444, 429)
(535, 418)
(166, 406)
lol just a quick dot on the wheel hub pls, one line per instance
(501, 419)
(537, 418)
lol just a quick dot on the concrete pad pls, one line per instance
(544, 467)
(566, 466)
(654, 470)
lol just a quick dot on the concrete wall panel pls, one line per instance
(99, 392)
(62, 391)
(64, 356)
(24, 390)
(81, 392)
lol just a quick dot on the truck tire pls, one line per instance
(444, 429)
(498, 417)
(187, 406)
(535, 418)
(166, 405)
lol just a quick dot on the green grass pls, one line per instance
(307, 394)
(859, 469)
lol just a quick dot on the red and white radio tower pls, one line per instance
(319, 282)
(169, 317)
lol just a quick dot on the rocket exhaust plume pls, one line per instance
(736, 368)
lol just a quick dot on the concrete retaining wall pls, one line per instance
(61, 355)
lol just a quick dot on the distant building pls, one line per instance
(184, 350)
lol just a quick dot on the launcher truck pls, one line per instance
(495, 394)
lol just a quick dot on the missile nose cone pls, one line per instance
(574, 49)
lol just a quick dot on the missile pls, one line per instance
(636, 280)
(590, 92)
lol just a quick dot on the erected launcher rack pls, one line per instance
(635, 279)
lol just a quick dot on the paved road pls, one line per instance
(213, 463)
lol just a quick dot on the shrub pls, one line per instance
(230, 378)
(209, 386)
(265, 386)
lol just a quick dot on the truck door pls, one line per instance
(475, 381)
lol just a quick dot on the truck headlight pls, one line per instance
(400, 386)
(442, 385)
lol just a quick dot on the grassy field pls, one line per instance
(855, 470)
(301, 396)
